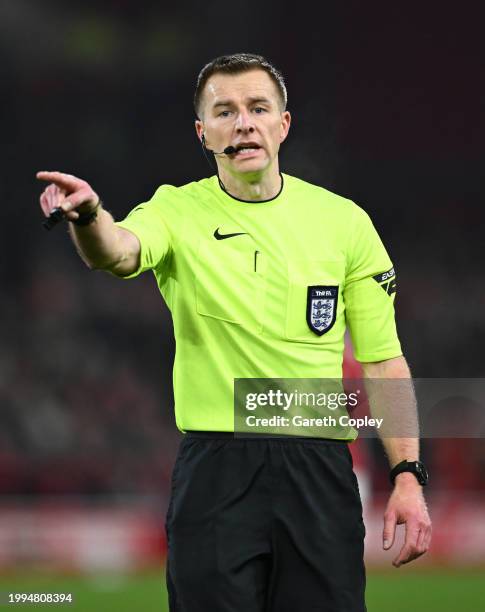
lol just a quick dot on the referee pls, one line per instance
(242, 259)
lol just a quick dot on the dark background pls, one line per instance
(387, 106)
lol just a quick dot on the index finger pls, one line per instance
(61, 179)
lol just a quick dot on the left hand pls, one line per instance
(406, 505)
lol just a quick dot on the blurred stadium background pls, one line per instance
(387, 105)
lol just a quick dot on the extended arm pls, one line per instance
(101, 244)
(406, 504)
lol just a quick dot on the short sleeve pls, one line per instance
(369, 292)
(146, 221)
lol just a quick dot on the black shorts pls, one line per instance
(264, 525)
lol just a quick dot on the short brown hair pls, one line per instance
(235, 64)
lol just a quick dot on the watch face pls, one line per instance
(421, 473)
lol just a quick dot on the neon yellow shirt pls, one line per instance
(273, 299)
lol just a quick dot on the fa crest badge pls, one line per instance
(321, 309)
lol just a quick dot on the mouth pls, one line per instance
(246, 149)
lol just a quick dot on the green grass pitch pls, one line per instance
(404, 590)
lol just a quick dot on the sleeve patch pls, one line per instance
(387, 280)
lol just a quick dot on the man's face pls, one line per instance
(243, 110)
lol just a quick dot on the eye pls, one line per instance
(224, 113)
(259, 109)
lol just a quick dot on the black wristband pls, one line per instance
(87, 218)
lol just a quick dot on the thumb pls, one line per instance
(389, 530)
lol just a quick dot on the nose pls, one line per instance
(244, 123)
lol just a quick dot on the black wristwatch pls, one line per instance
(415, 467)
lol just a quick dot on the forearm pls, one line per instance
(99, 244)
(392, 398)
(401, 449)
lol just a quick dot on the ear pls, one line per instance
(285, 125)
(199, 128)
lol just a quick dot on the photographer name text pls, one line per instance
(300, 421)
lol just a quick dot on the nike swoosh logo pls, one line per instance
(218, 236)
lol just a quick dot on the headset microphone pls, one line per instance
(227, 151)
